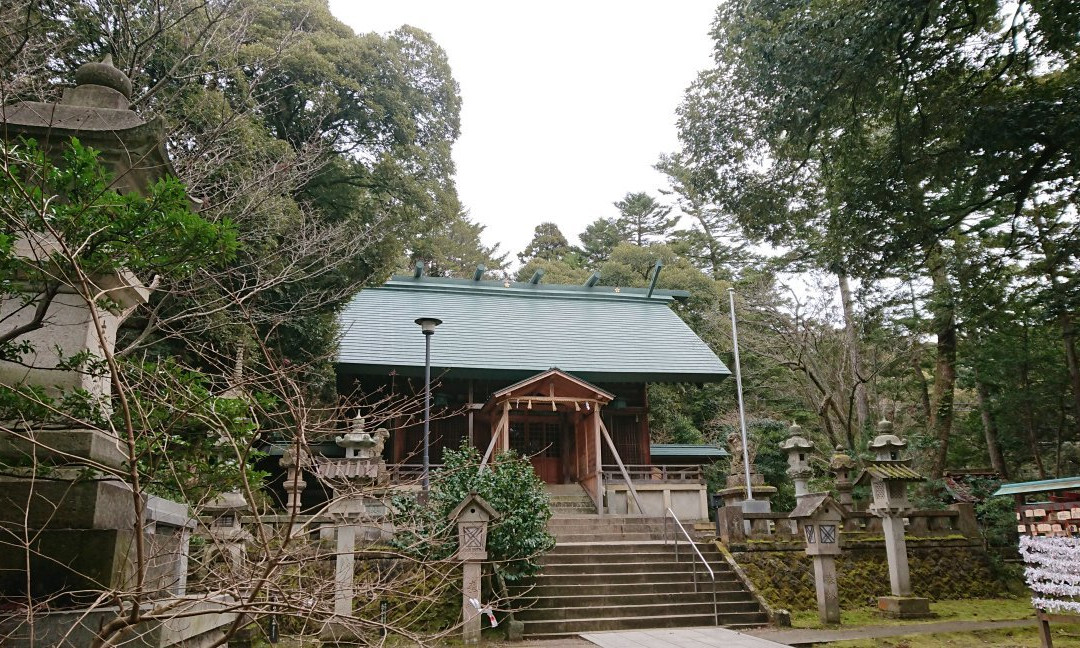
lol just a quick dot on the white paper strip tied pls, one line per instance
(1052, 572)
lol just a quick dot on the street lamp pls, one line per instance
(427, 325)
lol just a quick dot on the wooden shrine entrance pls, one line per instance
(554, 418)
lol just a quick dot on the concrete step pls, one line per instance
(562, 628)
(632, 595)
(607, 537)
(576, 578)
(603, 568)
(653, 557)
(676, 608)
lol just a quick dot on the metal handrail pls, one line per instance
(693, 545)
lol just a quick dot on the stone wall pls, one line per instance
(940, 569)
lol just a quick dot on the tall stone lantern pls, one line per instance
(82, 519)
(889, 476)
(841, 466)
(472, 517)
(798, 450)
(820, 519)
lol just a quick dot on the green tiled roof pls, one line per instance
(1042, 486)
(493, 331)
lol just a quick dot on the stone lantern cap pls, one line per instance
(473, 509)
(818, 506)
(796, 442)
(232, 501)
(841, 460)
(887, 441)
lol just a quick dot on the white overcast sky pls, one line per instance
(566, 106)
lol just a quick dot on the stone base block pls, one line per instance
(515, 630)
(337, 633)
(198, 623)
(905, 607)
(60, 447)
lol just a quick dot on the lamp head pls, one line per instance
(428, 324)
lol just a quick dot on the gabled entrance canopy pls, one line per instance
(555, 391)
(551, 389)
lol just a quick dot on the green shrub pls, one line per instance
(515, 541)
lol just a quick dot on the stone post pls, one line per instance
(896, 550)
(798, 450)
(820, 519)
(345, 569)
(888, 476)
(472, 517)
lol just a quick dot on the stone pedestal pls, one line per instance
(735, 493)
(83, 539)
(904, 607)
(828, 597)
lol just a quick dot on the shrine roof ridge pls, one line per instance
(528, 289)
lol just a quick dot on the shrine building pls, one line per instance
(556, 372)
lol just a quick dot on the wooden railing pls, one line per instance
(641, 473)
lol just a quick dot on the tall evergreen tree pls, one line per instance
(642, 219)
(598, 240)
(548, 243)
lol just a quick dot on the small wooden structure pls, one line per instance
(1050, 545)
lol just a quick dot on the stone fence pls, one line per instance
(734, 527)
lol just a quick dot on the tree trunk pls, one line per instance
(1068, 335)
(990, 431)
(920, 379)
(862, 403)
(943, 310)
(1028, 415)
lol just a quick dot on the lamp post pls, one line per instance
(427, 325)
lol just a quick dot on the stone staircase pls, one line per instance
(569, 499)
(616, 573)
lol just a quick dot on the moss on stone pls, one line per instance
(786, 578)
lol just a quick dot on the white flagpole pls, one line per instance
(738, 389)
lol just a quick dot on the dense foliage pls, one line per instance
(515, 541)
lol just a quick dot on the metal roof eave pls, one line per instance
(1041, 486)
(481, 373)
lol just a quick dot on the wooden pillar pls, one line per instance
(594, 440)
(505, 442)
(469, 401)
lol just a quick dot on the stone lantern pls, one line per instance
(820, 519)
(798, 450)
(81, 505)
(225, 529)
(472, 517)
(888, 476)
(841, 466)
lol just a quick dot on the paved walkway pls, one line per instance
(679, 638)
(811, 637)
